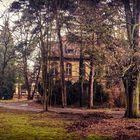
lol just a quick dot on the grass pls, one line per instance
(13, 100)
(16, 125)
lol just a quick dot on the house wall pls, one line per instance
(75, 70)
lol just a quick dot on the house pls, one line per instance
(71, 62)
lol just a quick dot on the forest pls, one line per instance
(70, 69)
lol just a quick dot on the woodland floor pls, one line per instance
(24, 120)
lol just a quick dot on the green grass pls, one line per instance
(98, 137)
(30, 126)
(13, 100)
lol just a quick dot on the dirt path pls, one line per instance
(35, 107)
(20, 105)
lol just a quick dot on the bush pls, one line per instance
(100, 96)
(8, 87)
(73, 93)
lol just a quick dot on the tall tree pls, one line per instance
(7, 56)
(62, 11)
(25, 47)
(38, 13)
(131, 78)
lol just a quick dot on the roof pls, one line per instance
(71, 51)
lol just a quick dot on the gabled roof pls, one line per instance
(71, 50)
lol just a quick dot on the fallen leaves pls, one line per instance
(106, 124)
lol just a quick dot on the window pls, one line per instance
(54, 68)
(68, 69)
(69, 51)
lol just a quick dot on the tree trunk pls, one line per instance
(1, 85)
(44, 81)
(2, 77)
(44, 72)
(44, 54)
(132, 89)
(28, 87)
(81, 76)
(132, 76)
(19, 90)
(122, 94)
(62, 71)
(91, 82)
(44, 60)
(81, 73)
(36, 83)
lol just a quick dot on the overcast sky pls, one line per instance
(4, 4)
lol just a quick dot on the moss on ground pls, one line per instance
(30, 126)
(98, 137)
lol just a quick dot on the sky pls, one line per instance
(4, 4)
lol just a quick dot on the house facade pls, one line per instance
(71, 62)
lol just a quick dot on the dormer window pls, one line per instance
(69, 51)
